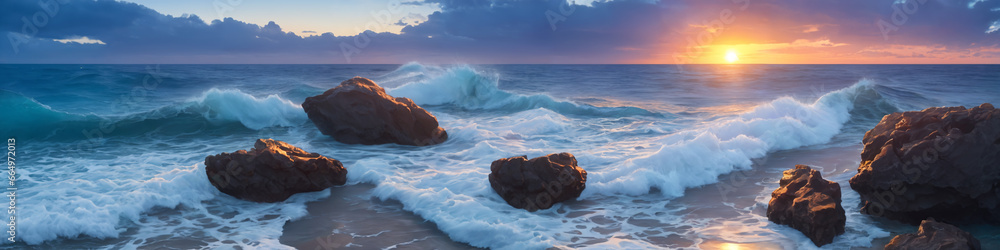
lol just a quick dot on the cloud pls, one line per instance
(487, 31)
(935, 51)
(130, 32)
(450, 5)
(550, 30)
(851, 23)
(491, 31)
(810, 28)
(80, 40)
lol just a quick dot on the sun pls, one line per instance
(731, 56)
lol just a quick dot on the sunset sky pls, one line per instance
(516, 31)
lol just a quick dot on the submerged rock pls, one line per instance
(272, 171)
(808, 203)
(538, 183)
(939, 162)
(935, 235)
(358, 111)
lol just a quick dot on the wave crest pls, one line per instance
(464, 87)
(214, 108)
(697, 157)
(254, 113)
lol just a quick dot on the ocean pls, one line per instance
(112, 156)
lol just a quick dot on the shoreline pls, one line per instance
(350, 216)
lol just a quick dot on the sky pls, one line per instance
(501, 31)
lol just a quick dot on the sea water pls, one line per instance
(112, 156)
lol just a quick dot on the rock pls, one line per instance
(538, 183)
(935, 235)
(358, 111)
(808, 203)
(272, 171)
(939, 162)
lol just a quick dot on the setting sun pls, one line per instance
(731, 56)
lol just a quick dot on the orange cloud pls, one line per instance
(810, 28)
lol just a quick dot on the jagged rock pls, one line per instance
(538, 183)
(939, 162)
(808, 203)
(272, 171)
(358, 111)
(935, 235)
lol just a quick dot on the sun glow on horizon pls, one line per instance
(731, 56)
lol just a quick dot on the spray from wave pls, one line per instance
(464, 87)
(221, 106)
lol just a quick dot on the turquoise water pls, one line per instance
(112, 155)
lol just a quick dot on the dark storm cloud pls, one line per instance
(476, 31)
(132, 30)
(903, 21)
(506, 31)
(549, 29)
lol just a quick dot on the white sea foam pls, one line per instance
(94, 206)
(626, 157)
(167, 204)
(448, 183)
(696, 157)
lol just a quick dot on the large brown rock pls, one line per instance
(935, 235)
(358, 111)
(538, 183)
(808, 203)
(939, 162)
(272, 171)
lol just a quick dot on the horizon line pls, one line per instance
(666, 64)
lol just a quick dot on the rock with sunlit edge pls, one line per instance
(272, 171)
(935, 235)
(808, 203)
(938, 162)
(358, 111)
